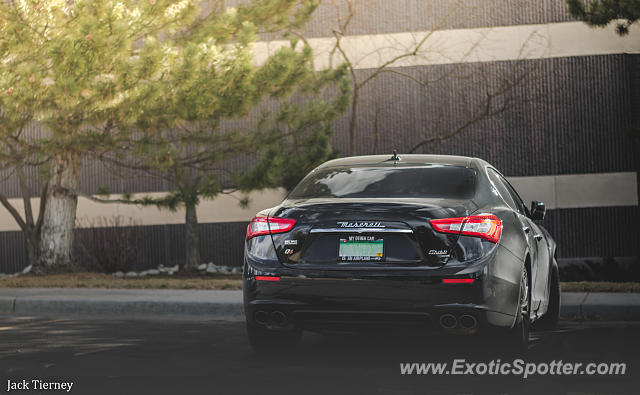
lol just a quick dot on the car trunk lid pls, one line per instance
(366, 233)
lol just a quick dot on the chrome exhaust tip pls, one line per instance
(278, 318)
(261, 317)
(468, 321)
(448, 321)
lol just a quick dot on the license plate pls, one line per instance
(360, 248)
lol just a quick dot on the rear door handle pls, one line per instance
(537, 237)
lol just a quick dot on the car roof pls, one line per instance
(408, 159)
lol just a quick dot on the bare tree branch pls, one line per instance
(14, 213)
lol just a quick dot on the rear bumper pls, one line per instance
(339, 299)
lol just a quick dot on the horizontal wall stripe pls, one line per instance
(557, 191)
(224, 208)
(579, 190)
(489, 44)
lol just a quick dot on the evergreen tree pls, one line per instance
(95, 72)
(79, 68)
(183, 139)
(195, 155)
(601, 12)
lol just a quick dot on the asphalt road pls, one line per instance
(173, 357)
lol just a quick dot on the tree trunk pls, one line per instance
(33, 248)
(192, 259)
(352, 121)
(56, 242)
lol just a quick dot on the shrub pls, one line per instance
(108, 244)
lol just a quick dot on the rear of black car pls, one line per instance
(362, 246)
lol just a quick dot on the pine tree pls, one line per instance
(78, 68)
(92, 71)
(184, 140)
(601, 12)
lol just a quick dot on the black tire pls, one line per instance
(518, 336)
(264, 341)
(549, 320)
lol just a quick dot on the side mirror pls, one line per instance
(537, 210)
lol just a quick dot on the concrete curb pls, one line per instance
(227, 305)
(602, 305)
(571, 304)
(608, 306)
(121, 303)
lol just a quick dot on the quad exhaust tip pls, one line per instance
(468, 321)
(278, 318)
(448, 321)
(465, 321)
(261, 317)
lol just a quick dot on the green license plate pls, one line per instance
(360, 248)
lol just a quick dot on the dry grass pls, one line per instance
(599, 286)
(98, 280)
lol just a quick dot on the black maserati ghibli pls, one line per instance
(429, 242)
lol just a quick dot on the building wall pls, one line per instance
(564, 138)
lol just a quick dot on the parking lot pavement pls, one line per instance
(168, 357)
(227, 304)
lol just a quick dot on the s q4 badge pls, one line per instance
(439, 252)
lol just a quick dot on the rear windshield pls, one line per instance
(435, 181)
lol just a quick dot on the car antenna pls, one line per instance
(395, 156)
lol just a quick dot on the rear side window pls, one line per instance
(514, 194)
(497, 182)
(435, 181)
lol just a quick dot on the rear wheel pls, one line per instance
(263, 340)
(549, 320)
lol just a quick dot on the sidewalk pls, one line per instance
(227, 305)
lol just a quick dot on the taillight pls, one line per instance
(263, 225)
(486, 226)
(267, 278)
(458, 280)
